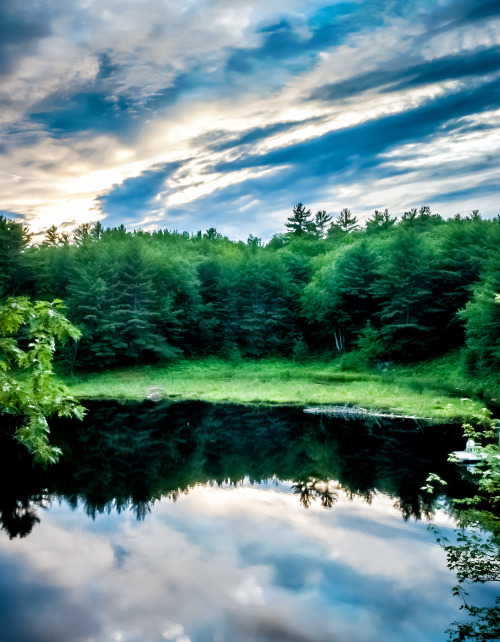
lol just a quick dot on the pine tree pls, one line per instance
(96, 231)
(421, 219)
(51, 236)
(300, 222)
(135, 304)
(380, 221)
(90, 309)
(321, 221)
(14, 239)
(345, 222)
(211, 234)
(404, 288)
(482, 324)
(81, 233)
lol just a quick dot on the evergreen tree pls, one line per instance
(96, 231)
(134, 301)
(345, 222)
(300, 221)
(380, 221)
(81, 233)
(51, 236)
(405, 290)
(91, 310)
(264, 312)
(422, 219)
(14, 239)
(321, 221)
(211, 234)
(482, 324)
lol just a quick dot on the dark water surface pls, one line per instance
(197, 523)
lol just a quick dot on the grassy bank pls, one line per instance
(401, 390)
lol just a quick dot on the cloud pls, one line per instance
(135, 197)
(357, 147)
(22, 25)
(259, 104)
(477, 63)
(244, 563)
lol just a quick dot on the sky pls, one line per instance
(190, 114)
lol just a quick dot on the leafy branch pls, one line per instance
(28, 385)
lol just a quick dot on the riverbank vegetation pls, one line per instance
(268, 381)
(196, 314)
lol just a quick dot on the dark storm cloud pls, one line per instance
(22, 25)
(134, 198)
(476, 63)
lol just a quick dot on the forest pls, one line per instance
(395, 291)
(398, 289)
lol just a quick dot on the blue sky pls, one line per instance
(199, 113)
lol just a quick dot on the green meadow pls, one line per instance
(430, 390)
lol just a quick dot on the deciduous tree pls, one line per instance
(28, 386)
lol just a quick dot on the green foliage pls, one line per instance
(345, 222)
(404, 288)
(300, 350)
(482, 325)
(475, 554)
(28, 386)
(301, 221)
(392, 291)
(370, 345)
(14, 239)
(321, 221)
(338, 301)
(379, 222)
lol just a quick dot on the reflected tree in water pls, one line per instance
(311, 489)
(126, 457)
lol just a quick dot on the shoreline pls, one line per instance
(282, 382)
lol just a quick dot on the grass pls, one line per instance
(271, 381)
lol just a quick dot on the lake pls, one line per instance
(194, 522)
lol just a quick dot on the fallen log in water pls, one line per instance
(350, 412)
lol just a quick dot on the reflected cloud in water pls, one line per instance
(229, 564)
(171, 523)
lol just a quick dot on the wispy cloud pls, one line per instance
(181, 114)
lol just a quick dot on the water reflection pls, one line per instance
(214, 546)
(129, 456)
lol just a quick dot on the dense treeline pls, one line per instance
(397, 289)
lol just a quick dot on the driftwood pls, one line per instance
(350, 412)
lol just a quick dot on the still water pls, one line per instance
(210, 523)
